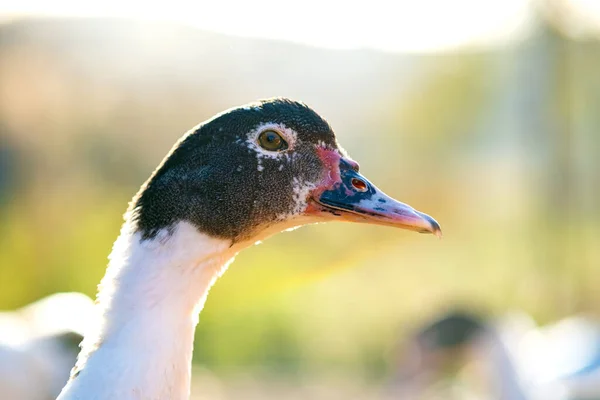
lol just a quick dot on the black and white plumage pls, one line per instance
(223, 183)
(240, 177)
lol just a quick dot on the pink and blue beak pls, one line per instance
(347, 195)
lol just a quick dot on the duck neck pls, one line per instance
(505, 380)
(149, 301)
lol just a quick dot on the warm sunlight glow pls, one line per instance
(427, 25)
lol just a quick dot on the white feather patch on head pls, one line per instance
(288, 134)
(301, 191)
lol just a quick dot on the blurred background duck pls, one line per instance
(465, 356)
(39, 344)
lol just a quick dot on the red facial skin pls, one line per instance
(356, 205)
(331, 163)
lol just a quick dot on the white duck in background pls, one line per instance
(39, 344)
(564, 356)
(516, 359)
(234, 180)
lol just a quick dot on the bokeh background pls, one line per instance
(483, 114)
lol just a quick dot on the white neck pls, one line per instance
(149, 302)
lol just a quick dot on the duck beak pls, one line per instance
(346, 194)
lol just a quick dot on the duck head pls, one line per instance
(262, 168)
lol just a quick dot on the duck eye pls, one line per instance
(272, 141)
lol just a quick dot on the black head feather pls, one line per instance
(218, 179)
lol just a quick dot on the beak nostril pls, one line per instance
(359, 185)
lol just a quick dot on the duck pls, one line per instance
(520, 361)
(434, 356)
(39, 342)
(230, 182)
(45, 360)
